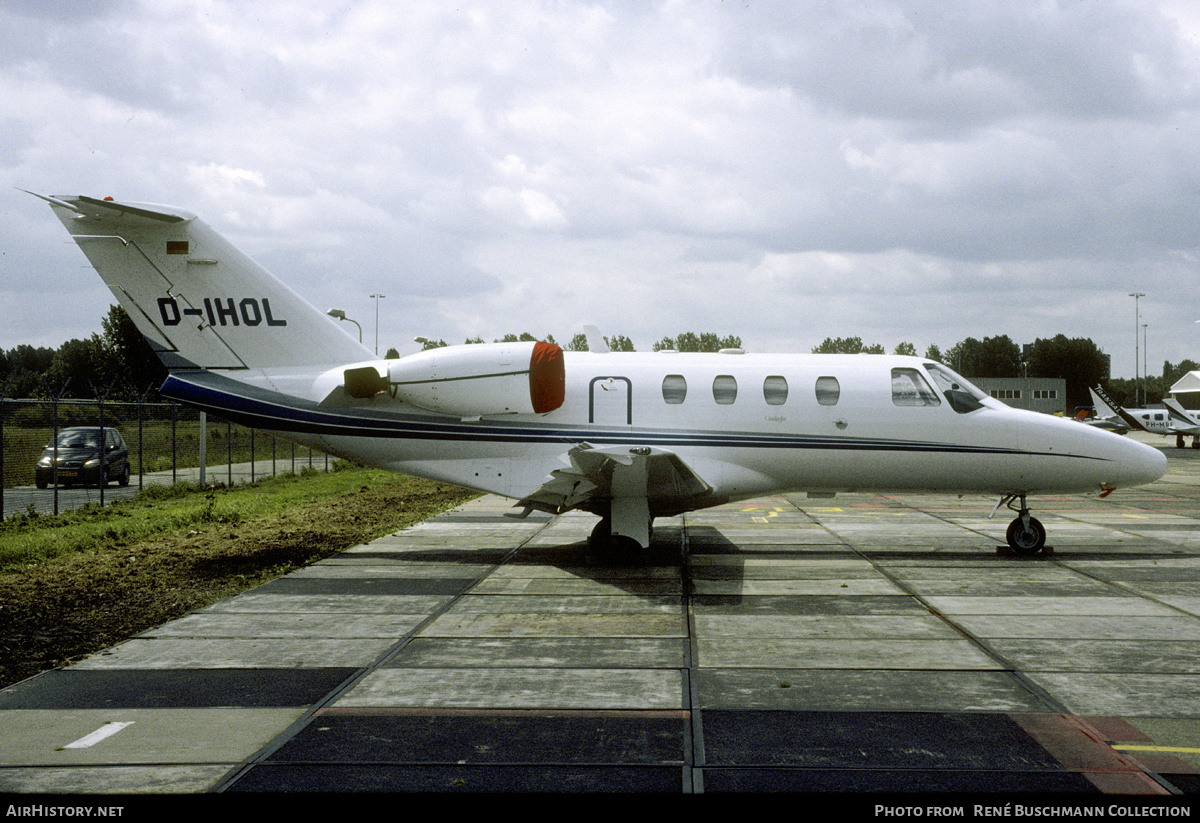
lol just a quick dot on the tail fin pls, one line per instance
(1104, 405)
(1180, 414)
(199, 301)
(1102, 400)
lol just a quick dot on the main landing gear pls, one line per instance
(604, 542)
(1026, 535)
(625, 527)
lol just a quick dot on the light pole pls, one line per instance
(1137, 320)
(1145, 358)
(341, 315)
(377, 298)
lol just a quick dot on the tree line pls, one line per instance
(685, 341)
(118, 364)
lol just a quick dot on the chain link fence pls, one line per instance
(165, 442)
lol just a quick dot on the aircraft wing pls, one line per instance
(595, 475)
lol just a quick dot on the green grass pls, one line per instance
(28, 539)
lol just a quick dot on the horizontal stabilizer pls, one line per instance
(101, 209)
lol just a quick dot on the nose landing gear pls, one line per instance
(1026, 535)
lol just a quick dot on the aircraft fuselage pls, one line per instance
(749, 424)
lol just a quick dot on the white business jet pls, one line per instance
(626, 436)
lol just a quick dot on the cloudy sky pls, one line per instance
(898, 170)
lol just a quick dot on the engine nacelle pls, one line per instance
(482, 378)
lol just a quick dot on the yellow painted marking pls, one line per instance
(1181, 749)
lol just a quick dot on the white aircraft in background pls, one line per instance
(1185, 423)
(626, 436)
(1171, 420)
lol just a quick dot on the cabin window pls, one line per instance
(775, 390)
(674, 389)
(724, 389)
(909, 388)
(828, 391)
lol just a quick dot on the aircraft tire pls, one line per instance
(601, 533)
(609, 547)
(1026, 542)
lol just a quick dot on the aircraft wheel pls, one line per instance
(601, 533)
(1026, 541)
(609, 547)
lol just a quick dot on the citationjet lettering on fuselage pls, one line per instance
(626, 436)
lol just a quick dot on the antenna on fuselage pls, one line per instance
(595, 340)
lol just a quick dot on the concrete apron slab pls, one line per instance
(822, 620)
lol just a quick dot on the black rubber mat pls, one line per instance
(902, 783)
(763, 751)
(455, 778)
(1186, 783)
(881, 741)
(172, 688)
(472, 739)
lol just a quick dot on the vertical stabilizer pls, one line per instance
(197, 299)
(1101, 399)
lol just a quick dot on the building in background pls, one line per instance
(1040, 394)
(1187, 390)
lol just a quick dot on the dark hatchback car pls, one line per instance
(81, 460)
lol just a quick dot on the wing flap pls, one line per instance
(596, 475)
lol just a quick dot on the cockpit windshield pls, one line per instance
(962, 396)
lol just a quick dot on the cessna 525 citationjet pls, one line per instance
(626, 436)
